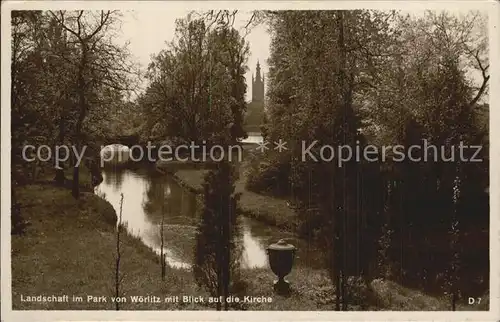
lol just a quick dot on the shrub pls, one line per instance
(270, 176)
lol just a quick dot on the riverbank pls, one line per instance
(266, 209)
(69, 248)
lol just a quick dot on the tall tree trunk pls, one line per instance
(162, 255)
(60, 177)
(337, 269)
(81, 118)
(227, 258)
(118, 256)
(342, 228)
(219, 259)
(219, 290)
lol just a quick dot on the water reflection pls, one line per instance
(141, 212)
(147, 195)
(254, 254)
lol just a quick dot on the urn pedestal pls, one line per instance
(281, 256)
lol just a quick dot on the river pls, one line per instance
(143, 188)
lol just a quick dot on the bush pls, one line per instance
(270, 176)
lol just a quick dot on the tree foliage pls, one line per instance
(66, 71)
(369, 77)
(217, 249)
(197, 86)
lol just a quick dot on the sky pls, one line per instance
(147, 32)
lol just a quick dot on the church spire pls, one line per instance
(258, 85)
(258, 71)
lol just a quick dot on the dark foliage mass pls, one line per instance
(69, 82)
(217, 249)
(357, 78)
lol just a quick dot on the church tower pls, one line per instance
(254, 116)
(258, 86)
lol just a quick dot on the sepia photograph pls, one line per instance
(250, 157)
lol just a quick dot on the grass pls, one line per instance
(69, 249)
(264, 208)
(395, 297)
(309, 288)
(191, 179)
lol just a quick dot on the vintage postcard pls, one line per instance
(250, 161)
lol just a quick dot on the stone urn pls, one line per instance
(281, 256)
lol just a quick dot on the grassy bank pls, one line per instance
(70, 248)
(266, 209)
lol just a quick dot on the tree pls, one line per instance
(100, 65)
(38, 85)
(197, 85)
(217, 254)
(316, 81)
(38, 80)
(378, 77)
(427, 93)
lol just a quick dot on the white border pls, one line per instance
(6, 303)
